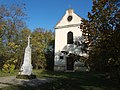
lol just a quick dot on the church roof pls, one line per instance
(70, 19)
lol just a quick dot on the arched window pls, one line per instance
(70, 38)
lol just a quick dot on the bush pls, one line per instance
(9, 66)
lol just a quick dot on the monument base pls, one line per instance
(32, 76)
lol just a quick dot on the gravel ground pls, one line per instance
(11, 80)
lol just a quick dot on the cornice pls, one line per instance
(67, 26)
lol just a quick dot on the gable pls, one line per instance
(69, 19)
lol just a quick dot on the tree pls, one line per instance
(101, 33)
(41, 39)
(49, 50)
(22, 42)
(11, 22)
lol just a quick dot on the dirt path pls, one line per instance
(11, 80)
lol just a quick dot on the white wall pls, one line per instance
(61, 30)
(61, 37)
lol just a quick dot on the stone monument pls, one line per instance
(26, 68)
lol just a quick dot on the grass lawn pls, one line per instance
(70, 81)
(2, 74)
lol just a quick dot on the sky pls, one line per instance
(46, 13)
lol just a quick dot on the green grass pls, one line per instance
(70, 81)
(3, 74)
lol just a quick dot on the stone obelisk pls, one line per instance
(26, 68)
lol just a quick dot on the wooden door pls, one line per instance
(70, 63)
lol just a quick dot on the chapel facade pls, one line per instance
(67, 37)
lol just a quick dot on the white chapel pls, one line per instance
(67, 35)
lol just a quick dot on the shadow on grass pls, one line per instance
(81, 81)
(70, 81)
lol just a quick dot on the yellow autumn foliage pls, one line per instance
(12, 45)
(9, 66)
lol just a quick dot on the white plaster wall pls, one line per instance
(61, 37)
(61, 30)
(75, 20)
(61, 33)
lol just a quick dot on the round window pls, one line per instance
(69, 18)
